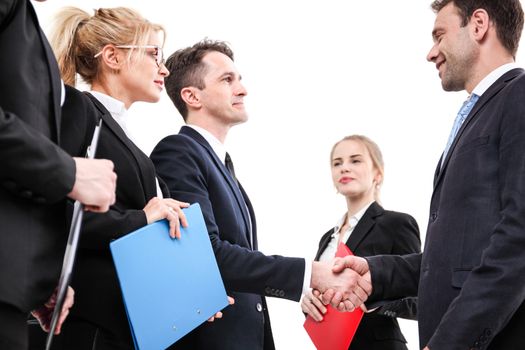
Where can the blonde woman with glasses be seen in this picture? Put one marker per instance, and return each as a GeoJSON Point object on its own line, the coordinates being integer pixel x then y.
{"type": "Point", "coordinates": [119, 55]}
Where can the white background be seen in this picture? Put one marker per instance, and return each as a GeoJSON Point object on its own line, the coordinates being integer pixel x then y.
{"type": "Point", "coordinates": [315, 71]}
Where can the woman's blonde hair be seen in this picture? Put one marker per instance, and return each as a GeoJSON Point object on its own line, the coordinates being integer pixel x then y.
{"type": "Point", "coordinates": [375, 155]}
{"type": "Point", "coordinates": [77, 37]}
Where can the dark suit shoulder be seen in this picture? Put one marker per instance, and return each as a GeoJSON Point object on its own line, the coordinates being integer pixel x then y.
{"type": "Point", "coordinates": [394, 217]}
{"type": "Point", "coordinates": [179, 149]}
{"type": "Point", "coordinates": [7, 8]}
{"type": "Point", "coordinates": [402, 229]}
{"type": "Point", "coordinates": [79, 117]}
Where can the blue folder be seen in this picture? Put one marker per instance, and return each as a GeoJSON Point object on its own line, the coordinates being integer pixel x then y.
{"type": "Point", "coordinates": [169, 286]}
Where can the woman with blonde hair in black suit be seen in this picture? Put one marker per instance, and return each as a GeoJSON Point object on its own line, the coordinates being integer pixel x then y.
{"type": "Point", "coordinates": [367, 229]}
{"type": "Point", "coordinates": [118, 53]}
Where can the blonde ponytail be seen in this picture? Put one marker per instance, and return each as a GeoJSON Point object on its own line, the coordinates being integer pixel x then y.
{"type": "Point", "coordinates": [63, 40]}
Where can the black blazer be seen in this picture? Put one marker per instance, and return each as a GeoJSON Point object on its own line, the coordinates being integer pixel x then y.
{"type": "Point", "coordinates": [472, 272]}
{"type": "Point", "coordinates": [36, 174]}
{"type": "Point", "coordinates": [98, 297]}
{"type": "Point", "coordinates": [193, 173]}
{"type": "Point", "coordinates": [381, 231]}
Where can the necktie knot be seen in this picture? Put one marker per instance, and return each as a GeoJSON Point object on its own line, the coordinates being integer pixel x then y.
{"type": "Point", "coordinates": [460, 118]}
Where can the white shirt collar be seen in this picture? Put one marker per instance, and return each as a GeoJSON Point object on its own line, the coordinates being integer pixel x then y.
{"type": "Point", "coordinates": [486, 82]}
{"type": "Point", "coordinates": [214, 142]}
{"type": "Point", "coordinates": [115, 107]}
{"type": "Point", "coordinates": [353, 220]}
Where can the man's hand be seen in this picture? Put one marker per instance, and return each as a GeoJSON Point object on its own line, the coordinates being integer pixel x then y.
{"type": "Point", "coordinates": [45, 313]}
{"type": "Point", "coordinates": [95, 183]}
{"type": "Point", "coordinates": [364, 284]}
{"type": "Point", "coordinates": [342, 284]}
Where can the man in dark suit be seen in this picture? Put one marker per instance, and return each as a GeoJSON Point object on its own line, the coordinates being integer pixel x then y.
{"type": "Point", "coordinates": [36, 175]}
{"type": "Point", "coordinates": [471, 276]}
{"type": "Point", "coordinates": [206, 89]}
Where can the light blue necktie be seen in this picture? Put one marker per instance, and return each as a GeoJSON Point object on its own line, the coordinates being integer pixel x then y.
{"type": "Point", "coordinates": [460, 118]}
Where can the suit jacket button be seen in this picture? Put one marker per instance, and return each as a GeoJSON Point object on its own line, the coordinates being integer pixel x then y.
{"type": "Point", "coordinates": [281, 293]}
{"type": "Point", "coordinates": [433, 216]}
{"type": "Point", "coordinates": [268, 290]}
{"type": "Point", "coordinates": [259, 307]}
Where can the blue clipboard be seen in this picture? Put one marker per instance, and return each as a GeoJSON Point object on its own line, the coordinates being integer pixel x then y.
{"type": "Point", "coordinates": [169, 286]}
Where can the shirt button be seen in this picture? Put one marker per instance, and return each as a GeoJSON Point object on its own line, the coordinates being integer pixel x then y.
{"type": "Point", "coordinates": [259, 307]}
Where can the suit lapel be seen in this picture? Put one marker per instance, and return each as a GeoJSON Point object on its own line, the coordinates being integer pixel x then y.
{"type": "Point", "coordinates": [327, 237]}
{"type": "Point", "coordinates": [493, 90]}
{"type": "Point", "coordinates": [364, 226]}
{"type": "Point", "coordinates": [251, 217]}
{"type": "Point", "coordinates": [242, 201]}
{"type": "Point", "coordinates": [146, 172]}
{"type": "Point", "coordinates": [54, 75]}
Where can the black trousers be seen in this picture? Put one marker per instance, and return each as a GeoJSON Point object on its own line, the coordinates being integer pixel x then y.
{"type": "Point", "coordinates": [77, 335]}
{"type": "Point", "coordinates": [13, 328]}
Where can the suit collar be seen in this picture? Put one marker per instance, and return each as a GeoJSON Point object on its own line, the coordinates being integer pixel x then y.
{"type": "Point", "coordinates": [54, 74]}
{"type": "Point", "coordinates": [215, 144]}
{"type": "Point", "coordinates": [144, 168]}
{"type": "Point", "coordinates": [242, 199]}
{"type": "Point", "coordinates": [483, 100]}
{"type": "Point", "coordinates": [364, 225]}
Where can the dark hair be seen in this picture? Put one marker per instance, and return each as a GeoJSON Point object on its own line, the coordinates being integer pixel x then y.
{"type": "Point", "coordinates": [186, 69]}
{"type": "Point", "coordinates": [507, 15]}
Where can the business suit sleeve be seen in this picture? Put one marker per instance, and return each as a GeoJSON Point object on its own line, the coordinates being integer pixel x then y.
{"type": "Point", "coordinates": [404, 231]}
{"type": "Point", "coordinates": [33, 167]}
{"type": "Point", "coordinates": [101, 229]}
{"type": "Point", "coordinates": [394, 276]}
{"type": "Point", "coordinates": [187, 173]}
{"type": "Point", "coordinates": [493, 290]}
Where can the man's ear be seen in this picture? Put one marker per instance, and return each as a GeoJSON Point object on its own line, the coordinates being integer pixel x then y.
{"type": "Point", "coordinates": [480, 22]}
{"type": "Point", "coordinates": [190, 95]}
{"type": "Point", "coordinates": [112, 57]}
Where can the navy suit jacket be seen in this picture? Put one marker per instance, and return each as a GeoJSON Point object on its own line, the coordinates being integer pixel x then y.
{"type": "Point", "coordinates": [381, 231]}
{"type": "Point", "coordinates": [471, 275]}
{"type": "Point", "coordinates": [194, 173]}
{"type": "Point", "coordinates": [36, 175]}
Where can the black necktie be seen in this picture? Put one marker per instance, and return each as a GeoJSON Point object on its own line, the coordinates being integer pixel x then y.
{"type": "Point", "coordinates": [229, 165]}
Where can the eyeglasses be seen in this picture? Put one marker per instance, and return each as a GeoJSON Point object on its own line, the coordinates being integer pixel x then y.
{"type": "Point", "coordinates": [158, 54]}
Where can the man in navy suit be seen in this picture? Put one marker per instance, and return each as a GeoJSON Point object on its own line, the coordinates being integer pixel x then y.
{"type": "Point", "coordinates": [36, 176]}
{"type": "Point", "coordinates": [470, 280]}
{"type": "Point", "coordinates": [206, 89]}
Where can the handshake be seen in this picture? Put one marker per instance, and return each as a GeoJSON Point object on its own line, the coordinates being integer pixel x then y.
{"type": "Point", "coordinates": [345, 283]}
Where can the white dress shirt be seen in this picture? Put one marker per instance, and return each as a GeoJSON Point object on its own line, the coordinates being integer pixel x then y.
{"type": "Point", "coordinates": [329, 253]}
{"type": "Point", "coordinates": [497, 73]}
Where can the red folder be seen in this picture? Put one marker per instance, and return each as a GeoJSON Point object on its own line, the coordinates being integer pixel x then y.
{"type": "Point", "coordinates": [336, 330]}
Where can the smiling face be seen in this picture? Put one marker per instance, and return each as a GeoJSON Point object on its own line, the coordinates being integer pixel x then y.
{"type": "Point", "coordinates": [454, 51]}
{"type": "Point", "coordinates": [141, 78]}
{"type": "Point", "coordinates": [353, 171]}
{"type": "Point", "coordinates": [223, 94]}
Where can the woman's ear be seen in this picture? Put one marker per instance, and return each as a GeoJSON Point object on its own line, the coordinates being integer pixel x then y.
{"type": "Point", "coordinates": [112, 57]}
